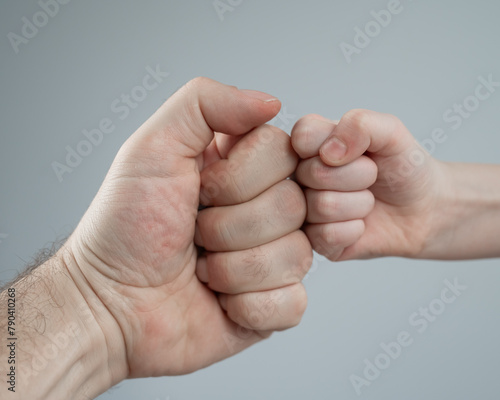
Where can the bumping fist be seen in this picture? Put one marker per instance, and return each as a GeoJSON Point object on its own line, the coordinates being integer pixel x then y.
{"type": "Point", "coordinates": [162, 308]}
{"type": "Point", "coordinates": [371, 189]}
{"type": "Point", "coordinates": [255, 255]}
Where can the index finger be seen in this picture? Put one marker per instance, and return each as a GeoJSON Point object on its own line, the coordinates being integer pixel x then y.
{"type": "Point", "coordinates": [361, 131]}
{"type": "Point", "coordinates": [259, 160]}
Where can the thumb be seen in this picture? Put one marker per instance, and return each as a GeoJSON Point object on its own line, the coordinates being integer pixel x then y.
{"type": "Point", "coordinates": [184, 125]}
{"type": "Point", "coordinates": [360, 131]}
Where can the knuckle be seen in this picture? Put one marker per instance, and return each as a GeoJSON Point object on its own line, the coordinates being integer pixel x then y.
{"type": "Point", "coordinates": [261, 137]}
{"type": "Point", "coordinates": [319, 171]}
{"type": "Point", "coordinates": [191, 88]}
{"type": "Point", "coordinates": [395, 122]}
{"type": "Point", "coordinates": [220, 273]}
{"type": "Point", "coordinates": [369, 199]}
{"type": "Point", "coordinates": [299, 304]}
{"type": "Point", "coordinates": [299, 256]}
{"type": "Point", "coordinates": [358, 119]}
{"type": "Point", "coordinates": [256, 265]}
{"type": "Point", "coordinates": [302, 133]}
{"type": "Point", "coordinates": [302, 173]}
{"type": "Point", "coordinates": [291, 200]}
{"type": "Point", "coordinates": [282, 146]}
{"type": "Point", "coordinates": [358, 228]}
{"type": "Point", "coordinates": [198, 81]}
{"type": "Point", "coordinates": [326, 204]}
{"type": "Point", "coordinates": [238, 191]}
{"type": "Point", "coordinates": [308, 117]}
{"type": "Point", "coordinates": [370, 170]}
{"type": "Point", "coordinates": [218, 233]}
{"type": "Point", "coordinates": [268, 304]}
{"type": "Point", "coordinates": [304, 255]}
{"type": "Point", "coordinates": [328, 235]}
{"type": "Point", "coordinates": [318, 243]}
{"type": "Point", "coordinates": [272, 133]}
{"type": "Point", "coordinates": [259, 310]}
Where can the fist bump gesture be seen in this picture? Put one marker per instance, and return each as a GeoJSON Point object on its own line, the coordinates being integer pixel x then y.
{"type": "Point", "coordinates": [365, 196]}
{"type": "Point", "coordinates": [195, 246]}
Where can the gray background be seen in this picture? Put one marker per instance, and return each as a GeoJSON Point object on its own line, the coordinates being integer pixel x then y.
{"type": "Point", "coordinates": [429, 57]}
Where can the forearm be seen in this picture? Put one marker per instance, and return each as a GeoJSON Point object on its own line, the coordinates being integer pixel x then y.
{"type": "Point", "coordinates": [52, 345]}
{"type": "Point", "coordinates": [467, 217]}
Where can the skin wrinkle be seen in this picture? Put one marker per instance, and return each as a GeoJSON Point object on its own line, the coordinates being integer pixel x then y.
{"type": "Point", "coordinates": [256, 265]}
{"type": "Point", "coordinates": [96, 294]}
{"type": "Point", "coordinates": [255, 227]}
{"type": "Point", "coordinates": [133, 309]}
{"type": "Point", "coordinates": [269, 306]}
{"type": "Point", "coordinates": [174, 205]}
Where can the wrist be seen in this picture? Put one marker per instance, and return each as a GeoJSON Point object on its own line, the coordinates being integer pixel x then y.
{"type": "Point", "coordinates": [61, 348]}
{"type": "Point", "coordinates": [440, 212]}
{"type": "Point", "coordinates": [466, 216]}
{"type": "Point", "coordinates": [108, 344]}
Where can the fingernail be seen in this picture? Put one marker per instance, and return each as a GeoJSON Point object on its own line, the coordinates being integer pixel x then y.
{"type": "Point", "coordinates": [266, 98]}
{"type": "Point", "coordinates": [333, 150]}
{"type": "Point", "coordinates": [201, 269]}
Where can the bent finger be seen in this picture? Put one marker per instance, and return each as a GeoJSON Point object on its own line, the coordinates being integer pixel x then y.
{"type": "Point", "coordinates": [272, 265]}
{"type": "Point", "coordinates": [359, 131]}
{"type": "Point", "coordinates": [277, 212]}
{"type": "Point", "coordinates": [309, 133]}
{"type": "Point", "coordinates": [260, 159]}
{"type": "Point", "coordinates": [330, 239]}
{"type": "Point", "coordinates": [276, 309]}
{"type": "Point", "coordinates": [324, 206]}
{"type": "Point", "coordinates": [357, 175]}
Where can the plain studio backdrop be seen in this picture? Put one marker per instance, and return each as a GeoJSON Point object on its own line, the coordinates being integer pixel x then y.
{"type": "Point", "coordinates": [64, 70]}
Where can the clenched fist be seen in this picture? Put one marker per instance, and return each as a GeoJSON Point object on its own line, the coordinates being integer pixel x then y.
{"type": "Point", "coordinates": [372, 191]}
{"type": "Point", "coordinates": [150, 285]}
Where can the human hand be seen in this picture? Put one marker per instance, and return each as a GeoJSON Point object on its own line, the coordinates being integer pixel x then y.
{"type": "Point", "coordinates": [371, 189]}
{"type": "Point", "coordinates": [256, 255]}
{"type": "Point", "coordinates": [133, 254]}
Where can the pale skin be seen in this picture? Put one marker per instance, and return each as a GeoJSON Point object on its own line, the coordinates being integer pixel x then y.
{"type": "Point", "coordinates": [129, 294]}
{"type": "Point", "coordinates": [372, 191]}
